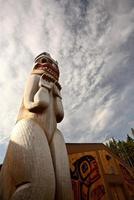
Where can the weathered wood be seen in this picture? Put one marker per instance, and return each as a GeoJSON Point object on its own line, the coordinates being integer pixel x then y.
{"type": "Point", "coordinates": [36, 163]}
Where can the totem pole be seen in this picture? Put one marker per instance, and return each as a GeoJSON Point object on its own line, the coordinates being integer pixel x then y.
{"type": "Point", "coordinates": [36, 163]}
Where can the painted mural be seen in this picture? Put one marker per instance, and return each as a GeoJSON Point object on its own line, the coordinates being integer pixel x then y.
{"type": "Point", "coordinates": [108, 162]}
{"type": "Point", "coordinates": [128, 178]}
{"type": "Point", "coordinates": [87, 182]}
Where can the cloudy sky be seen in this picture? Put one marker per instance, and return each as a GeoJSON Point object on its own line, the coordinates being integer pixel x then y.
{"type": "Point", "coordinates": [93, 41]}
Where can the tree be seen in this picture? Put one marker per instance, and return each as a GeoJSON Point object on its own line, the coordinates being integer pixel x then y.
{"type": "Point", "coordinates": [123, 149]}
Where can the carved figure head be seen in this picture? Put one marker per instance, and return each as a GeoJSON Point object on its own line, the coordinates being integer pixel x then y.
{"type": "Point", "coordinates": [45, 64]}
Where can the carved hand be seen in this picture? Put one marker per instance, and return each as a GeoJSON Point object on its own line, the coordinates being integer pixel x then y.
{"type": "Point", "coordinates": [56, 91]}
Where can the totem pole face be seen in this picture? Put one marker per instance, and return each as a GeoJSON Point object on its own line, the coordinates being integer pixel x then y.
{"type": "Point", "coordinates": [48, 65]}
{"type": "Point", "coordinates": [45, 65]}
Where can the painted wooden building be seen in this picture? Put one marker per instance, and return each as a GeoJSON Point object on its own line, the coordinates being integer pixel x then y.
{"type": "Point", "coordinates": [97, 174]}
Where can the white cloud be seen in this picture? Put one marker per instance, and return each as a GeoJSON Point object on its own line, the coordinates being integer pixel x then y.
{"type": "Point", "coordinates": [93, 43]}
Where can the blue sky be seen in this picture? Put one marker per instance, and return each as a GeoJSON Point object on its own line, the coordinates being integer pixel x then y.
{"type": "Point", "coordinates": [93, 42]}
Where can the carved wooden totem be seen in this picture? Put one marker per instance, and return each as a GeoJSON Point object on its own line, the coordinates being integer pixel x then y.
{"type": "Point", "coordinates": [36, 163]}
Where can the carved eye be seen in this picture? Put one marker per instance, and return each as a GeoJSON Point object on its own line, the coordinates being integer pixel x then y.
{"type": "Point", "coordinates": [49, 61]}
{"type": "Point", "coordinates": [44, 60]}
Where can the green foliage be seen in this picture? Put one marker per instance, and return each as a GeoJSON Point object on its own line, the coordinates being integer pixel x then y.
{"type": "Point", "coordinates": [123, 149]}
